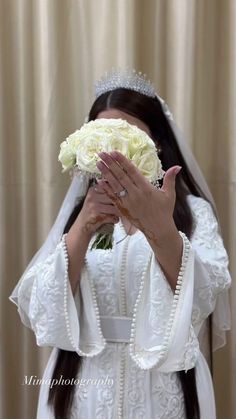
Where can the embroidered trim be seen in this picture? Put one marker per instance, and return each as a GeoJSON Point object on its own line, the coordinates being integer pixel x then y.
{"type": "Point", "coordinates": [66, 281]}
{"type": "Point", "coordinates": [122, 379]}
{"type": "Point", "coordinates": [95, 304]}
{"type": "Point", "coordinates": [135, 309]}
{"type": "Point", "coordinates": [123, 279]}
{"type": "Point", "coordinates": [123, 311]}
{"type": "Point", "coordinates": [166, 340]}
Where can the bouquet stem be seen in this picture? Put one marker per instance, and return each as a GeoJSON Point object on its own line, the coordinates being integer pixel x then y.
{"type": "Point", "coordinates": [104, 237]}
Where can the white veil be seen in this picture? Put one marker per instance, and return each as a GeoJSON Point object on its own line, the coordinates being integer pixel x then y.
{"type": "Point", "coordinates": [78, 189]}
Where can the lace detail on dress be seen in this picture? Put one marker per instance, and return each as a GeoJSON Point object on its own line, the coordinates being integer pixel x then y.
{"type": "Point", "coordinates": [211, 260]}
{"type": "Point", "coordinates": [46, 297]}
{"type": "Point", "coordinates": [148, 394]}
{"type": "Point", "coordinates": [163, 315]}
{"type": "Point", "coordinates": [191, 352]}
{"type": "Point", "coordinates": [168, 396]}
{"type": "Point", "coordinates": [136, 393]}
{"type": "Point", "coordinates": [46, 315]}
{"type": "Point", "coordinates": [148, 389]}
{"type": "Point", "coordinates": [102, 266]}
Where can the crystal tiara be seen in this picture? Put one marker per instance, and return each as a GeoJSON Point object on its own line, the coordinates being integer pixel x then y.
{"type": "Point", "coordinates": [127, 79]}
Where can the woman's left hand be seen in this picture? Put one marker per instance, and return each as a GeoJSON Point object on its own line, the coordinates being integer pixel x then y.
{"type": "Point", "coordinates": [147, 208]}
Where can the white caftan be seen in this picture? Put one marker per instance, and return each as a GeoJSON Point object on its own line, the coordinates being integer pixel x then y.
{"type": "Point", "coordinates": [138, 375]}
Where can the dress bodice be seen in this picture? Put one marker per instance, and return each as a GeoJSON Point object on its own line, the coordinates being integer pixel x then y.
{"type": "Point", "coordinates": [116, 273]}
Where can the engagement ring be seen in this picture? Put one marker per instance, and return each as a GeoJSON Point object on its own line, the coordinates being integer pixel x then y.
{"type": "Point", "coordinates": [121, 193]}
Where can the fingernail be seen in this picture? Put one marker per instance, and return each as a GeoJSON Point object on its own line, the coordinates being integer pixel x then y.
{"type": "Point", "coordinates": [177, 169]}
{"type": "Point", "coordinates": [99, 165]}
{"type": "Point", "coordinates": [114, 154]}
{"type": "Point", "coordinates": [102, 154]}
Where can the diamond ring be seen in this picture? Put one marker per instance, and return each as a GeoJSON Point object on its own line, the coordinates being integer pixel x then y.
{"type": "Point", "coordinates": [121, 193]}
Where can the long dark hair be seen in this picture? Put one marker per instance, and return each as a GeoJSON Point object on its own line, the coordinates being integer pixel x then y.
{"type": "Point", "coordinates": [149, 111]}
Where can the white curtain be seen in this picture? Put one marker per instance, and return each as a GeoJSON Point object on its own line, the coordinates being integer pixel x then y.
{"type": "Point", "coordinates": [51, 53]}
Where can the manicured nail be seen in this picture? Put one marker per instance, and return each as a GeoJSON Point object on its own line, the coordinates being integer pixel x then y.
{"type": "Point", "coordinates": [99, 164]}
{"type": "Point", "coordinates": [177, 169]}
{"type": "Point", "coordinates": [101, 154]}
{"type": "Point", "coordinates": [114, 153]}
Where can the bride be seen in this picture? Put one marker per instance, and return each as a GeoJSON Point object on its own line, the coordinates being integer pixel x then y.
{"type": "Point", "coordinates": [137, 312]}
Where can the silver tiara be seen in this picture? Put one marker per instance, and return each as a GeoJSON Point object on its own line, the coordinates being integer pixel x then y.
{"type": "Point", "coordinates": [127, 79]}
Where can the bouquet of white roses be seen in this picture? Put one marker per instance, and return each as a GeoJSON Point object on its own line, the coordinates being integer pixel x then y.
{"type": "Point", "coordinates": [79, 152]}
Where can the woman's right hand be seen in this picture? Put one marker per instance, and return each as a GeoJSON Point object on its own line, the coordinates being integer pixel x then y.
{"type": "Point", "coordinates": [98, 209]}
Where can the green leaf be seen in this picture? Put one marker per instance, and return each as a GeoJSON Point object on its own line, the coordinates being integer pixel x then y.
{"type": "Point", "coordinates": [102, 241]}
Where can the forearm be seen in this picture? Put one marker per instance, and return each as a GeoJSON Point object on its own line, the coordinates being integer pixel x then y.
{"type": "Point", "coordinates": [168, 247]}
{"type": "Point", "coordinates": [77, 241]}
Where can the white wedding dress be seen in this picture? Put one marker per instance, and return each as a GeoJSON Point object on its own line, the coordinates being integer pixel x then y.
{"type": "Point", "coordinates": [137, 374]}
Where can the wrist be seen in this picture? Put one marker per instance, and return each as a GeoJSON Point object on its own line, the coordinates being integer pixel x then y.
{"type": "Point", "coordinates": [168, 233]}
{"type": "Point", "coordinates": [163, 235]}
{"type": "Point", "coordinates": [80, 230]}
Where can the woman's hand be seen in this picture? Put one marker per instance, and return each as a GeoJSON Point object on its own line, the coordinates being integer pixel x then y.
{"type": "Point", "coordinates": [98, 209]}
{"type": "Point", "coordinates": [148, 208]}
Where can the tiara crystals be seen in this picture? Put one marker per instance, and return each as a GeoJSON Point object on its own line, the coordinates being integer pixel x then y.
{"type": "Point", "coordinates": [165, 108]}
{"type": "Point", "coordinates": [127, 79]}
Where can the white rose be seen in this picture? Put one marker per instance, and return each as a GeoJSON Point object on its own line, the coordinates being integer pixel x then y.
{"type": "Point", "coordinates": [82, 147]}
{"type": "Point", "coordinates": [147, 161]}
{"type": "Point", "coordinates": [110, 124]}
{"type": "Point", "coordinates": [138, 141]}
{"type": "Point", "coordinates": [67, 156]}
{"type": "Point", "coordinates": [118, 142]}
{"type": "Point", "coordinates": [74, 140]}
{"type": "Point", "coordinates": [86, 155]}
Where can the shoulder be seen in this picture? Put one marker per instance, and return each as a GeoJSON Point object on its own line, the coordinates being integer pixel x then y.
{"type": "Point", "coordinates": [199, 205]}
{"type": "Point", "coordinates": [203, 214]}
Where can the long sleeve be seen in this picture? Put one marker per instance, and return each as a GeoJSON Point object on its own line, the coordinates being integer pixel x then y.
{"type": "Point", "coordinates": [211, 276]}
{"type": "Point", "coordinates": [166, 325]}
{"type": "Point", "coordinates": [59, 319]}
{"type": "Point", "coordinates": [162, 334]}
